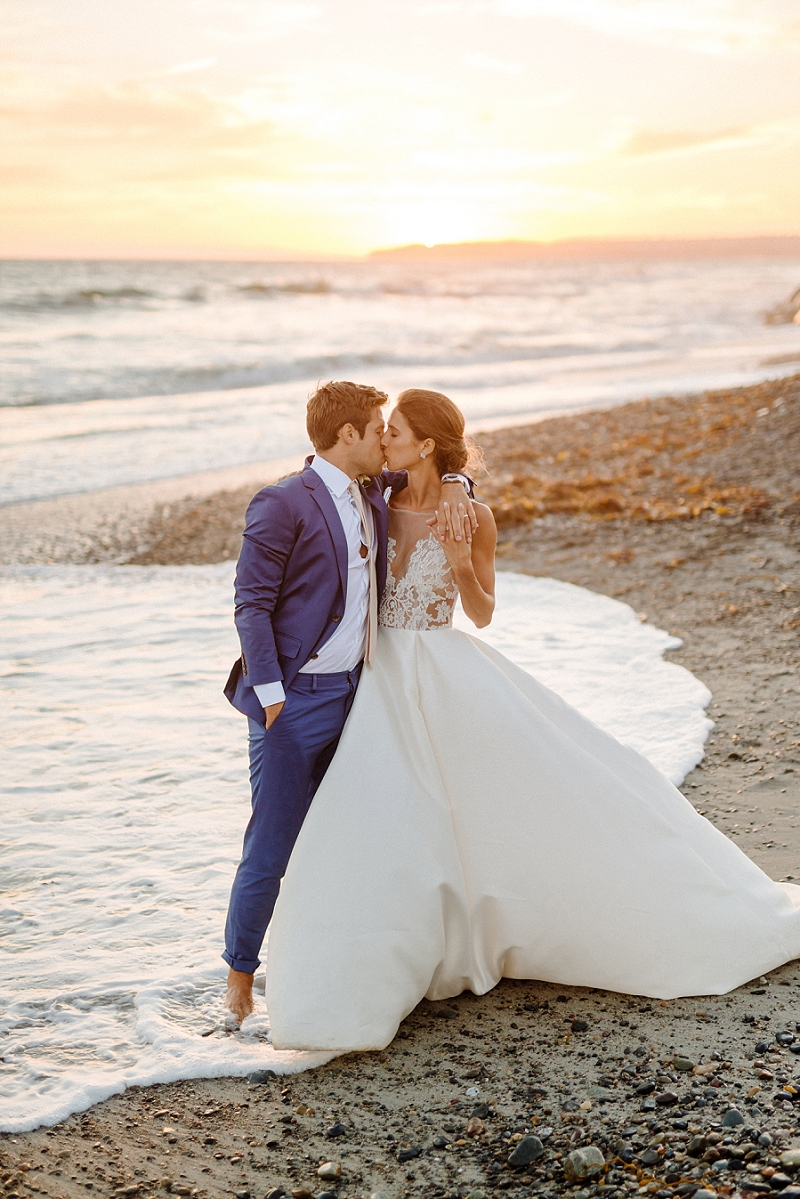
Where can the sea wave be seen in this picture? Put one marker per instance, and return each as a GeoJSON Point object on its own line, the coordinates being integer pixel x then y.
{"type": "Point", "coordinates": [518, 357]}
{"type": "Point", "coordinates": [89, 297]}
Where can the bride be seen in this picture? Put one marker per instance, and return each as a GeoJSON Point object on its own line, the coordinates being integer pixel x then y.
{"type": "Point", "coordinates": [473, 826]}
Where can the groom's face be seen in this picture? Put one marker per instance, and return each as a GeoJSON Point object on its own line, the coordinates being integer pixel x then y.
{"type": "Point", "coordinates": [368, 451]}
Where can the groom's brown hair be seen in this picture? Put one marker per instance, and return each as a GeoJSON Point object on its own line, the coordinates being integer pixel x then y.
{"type": "Point", "coordinates": [340, 403]}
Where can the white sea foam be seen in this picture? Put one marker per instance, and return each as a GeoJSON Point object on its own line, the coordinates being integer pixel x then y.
{"type": "Point", "coordinates": [124, 796]}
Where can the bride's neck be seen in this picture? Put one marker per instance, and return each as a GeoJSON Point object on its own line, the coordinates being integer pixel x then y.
{"type": "Point", "coordinates": [424, 485]}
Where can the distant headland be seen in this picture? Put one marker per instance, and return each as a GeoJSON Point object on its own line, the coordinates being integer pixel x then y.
{"type": "Point", "coordinates": [599, 248]}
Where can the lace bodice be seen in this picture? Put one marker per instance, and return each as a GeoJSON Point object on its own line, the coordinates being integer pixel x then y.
{"type": "Point", "coordinates": [420, 591]}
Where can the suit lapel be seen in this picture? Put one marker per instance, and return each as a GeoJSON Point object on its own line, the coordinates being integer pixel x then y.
{"type": "Point", "coordinates": [324, 501]}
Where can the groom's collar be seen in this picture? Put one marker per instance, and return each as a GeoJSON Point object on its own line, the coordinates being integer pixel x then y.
{"type": "Point", "coordinates": [334, 479]}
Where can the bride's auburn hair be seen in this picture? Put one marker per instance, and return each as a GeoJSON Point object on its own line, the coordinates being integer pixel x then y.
{"type": "Point", "coordinates": [432, 414]}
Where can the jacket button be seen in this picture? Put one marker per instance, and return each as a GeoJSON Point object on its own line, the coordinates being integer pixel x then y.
{"type": "Point", "coordinates": [336, 616]}
{"type": "Point", "coordinates": [313, 657]}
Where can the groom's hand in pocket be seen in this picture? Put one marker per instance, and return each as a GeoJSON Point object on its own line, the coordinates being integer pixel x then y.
{"type": "Point", "coordinates": [273, 712]}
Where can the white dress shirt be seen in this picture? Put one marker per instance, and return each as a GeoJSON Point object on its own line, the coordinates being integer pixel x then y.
{"type": "Point", "coordinates": [345, 648]}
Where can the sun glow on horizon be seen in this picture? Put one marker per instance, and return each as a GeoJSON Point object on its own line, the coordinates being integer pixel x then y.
{"type": "Point", "coordinates": [277, 127]}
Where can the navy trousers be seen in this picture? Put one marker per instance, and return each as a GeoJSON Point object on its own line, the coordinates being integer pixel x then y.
{"type": "Point", "coordinates": [287, 765]}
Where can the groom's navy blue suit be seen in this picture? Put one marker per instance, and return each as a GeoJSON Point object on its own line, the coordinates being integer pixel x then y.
{"type": "Point", "coordinates": [291, 586]}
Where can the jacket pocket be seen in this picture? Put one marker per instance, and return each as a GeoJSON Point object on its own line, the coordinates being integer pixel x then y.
{"type": "Point", "coordinates": [287, 645]}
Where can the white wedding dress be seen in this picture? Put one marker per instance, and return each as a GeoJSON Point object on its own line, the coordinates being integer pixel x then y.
{"type": "Point", "coordinates": [474, 826]}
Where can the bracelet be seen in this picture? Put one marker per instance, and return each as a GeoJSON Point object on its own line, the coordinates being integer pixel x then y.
{"type": "Point", "coordinates": [455, 478]}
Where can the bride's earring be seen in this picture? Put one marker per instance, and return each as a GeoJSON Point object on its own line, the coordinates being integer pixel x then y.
{"type": "Point", "coordinates": [422, 455]}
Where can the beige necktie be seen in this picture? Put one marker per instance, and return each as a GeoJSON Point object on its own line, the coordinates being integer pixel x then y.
{"type": "Point", "coordinates": [366, 536]}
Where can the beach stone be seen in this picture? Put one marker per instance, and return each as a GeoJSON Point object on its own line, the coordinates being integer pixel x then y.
{"type": "Point", "coordinates": [379, 1195]}
{"type": "Point", "coordinates": [301, 1193]}
{"type": "Point", "coordinates": [762, 1047]}
{"type": "Point", "coordinates": [650, 1157]}
{"type": "Point", "coordinates": [528, 1150]}
{"type": "Point", "coordinates": [582, 1163]}
{"type": "Point", "coordinates": [579, 1025]}
{"type": "Point", "coordinates": [259, 1077]}
{"type": "Point", "coordinates": [645, 1088]}
{"type": "Point", "coordinates": [475, 1126]}
{"type": "Point", "coordinates": [336, 1130]}
{"type": "Point", "coordinates": [327, 1195]}
{"type": "Point", "coordinates": [696, 1146]}
{"type": "Point", "coordinates": [440, 1142]}
{"type": "Point", "coordinates": [666, 1099]}
{"type": "Point", "coordinates": [732, 1118]}
{"type": "Point", "coordinates": [600, 1093]}
{"type": "Point", "coordinates": [476, 1195]}
{"type": "Point", "coordinates": [704, 1193]}
{"type": "Point", "coordinates": [648, 1105]}
{"type": "Point", "coordinates": [330, 1170]}
{"type": "Point", "coordinates": [791, 1157]}
{"type": "Point", "coordinates": [240, 1194]}
{"type": "Point", "coordinates": [682, 1064]}
{"type": "Point", "coordinates": [481, 1111]}
{"type": "Point", "coordinates": [275, 1193]}
{"type": "Point", "coordinates": [446, 1013]}
{"type": "Point", "coordinates": [406, 1155]}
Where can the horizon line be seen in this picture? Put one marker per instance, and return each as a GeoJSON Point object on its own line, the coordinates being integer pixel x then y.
{"type": "Point", "coordinates": [506, 248]}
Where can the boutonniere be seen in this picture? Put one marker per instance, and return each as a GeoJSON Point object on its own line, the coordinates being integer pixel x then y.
{"type": "Point", "coordinates": [365, 480]}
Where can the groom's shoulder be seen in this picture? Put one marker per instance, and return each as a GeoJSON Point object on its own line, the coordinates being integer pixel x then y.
{"type": "Point", "coordinates": [287, 495]}
{"type": "Point", "coordinates": [287, 488]}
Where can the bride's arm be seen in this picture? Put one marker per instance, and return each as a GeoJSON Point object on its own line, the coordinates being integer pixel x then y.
{"type": "Point", "coordinates": [472, 564]}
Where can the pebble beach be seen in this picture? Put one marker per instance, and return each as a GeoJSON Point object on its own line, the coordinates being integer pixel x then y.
{"type": "Point", "coordinates": [688, 508]}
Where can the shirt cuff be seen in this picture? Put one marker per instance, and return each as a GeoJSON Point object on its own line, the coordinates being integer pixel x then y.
{"type": "Point", "coordinates": [270, 693]}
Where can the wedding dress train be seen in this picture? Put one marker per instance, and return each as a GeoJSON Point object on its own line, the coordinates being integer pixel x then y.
{"type": "Point", "coordinates": [474, 826]}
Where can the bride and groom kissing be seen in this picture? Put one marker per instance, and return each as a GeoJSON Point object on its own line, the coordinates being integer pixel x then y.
{"type": "Point", "coordinates": [467, 824]}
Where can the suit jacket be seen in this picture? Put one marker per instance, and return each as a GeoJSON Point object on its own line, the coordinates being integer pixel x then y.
{"type": "Point", "coordinates": [291, 578]}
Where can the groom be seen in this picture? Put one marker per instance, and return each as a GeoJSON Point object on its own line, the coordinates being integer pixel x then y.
{"type": "Point", "coordinates": [308, 585]}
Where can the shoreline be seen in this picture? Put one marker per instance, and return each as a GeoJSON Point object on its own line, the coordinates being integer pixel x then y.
{"type": "Point", "coordinates": [600, 511]}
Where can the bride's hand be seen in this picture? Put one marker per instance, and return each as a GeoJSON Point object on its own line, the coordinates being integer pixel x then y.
{"type": "Point", "coordinates": [456, 514]}
{"type": "Point", "coordinates": [457, 549]}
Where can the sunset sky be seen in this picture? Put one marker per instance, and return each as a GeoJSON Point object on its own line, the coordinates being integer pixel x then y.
{"type": "Point", "coordinates": [242, 128]}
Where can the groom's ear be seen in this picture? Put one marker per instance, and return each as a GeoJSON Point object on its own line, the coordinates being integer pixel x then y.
{"type": "Point", "coordinates": [348, 434]}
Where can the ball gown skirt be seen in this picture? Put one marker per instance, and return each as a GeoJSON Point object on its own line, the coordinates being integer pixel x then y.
{"type": "Point", "coordinates": [473, 826]}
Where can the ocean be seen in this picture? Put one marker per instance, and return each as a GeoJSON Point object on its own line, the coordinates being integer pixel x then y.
{"type": "Point", "coordinates": [125, 372]}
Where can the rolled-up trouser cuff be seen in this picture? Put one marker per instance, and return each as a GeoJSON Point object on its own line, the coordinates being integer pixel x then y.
{"type": "Point", "coordinates": [241, 965]}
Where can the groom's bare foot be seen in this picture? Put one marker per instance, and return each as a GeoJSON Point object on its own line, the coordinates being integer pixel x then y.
{"type": "Point", "coordinates": [239, 996]}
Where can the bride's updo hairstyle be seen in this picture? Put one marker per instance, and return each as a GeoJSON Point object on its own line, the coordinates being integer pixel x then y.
{"type": "Point", "coordinates": [431, 414]}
